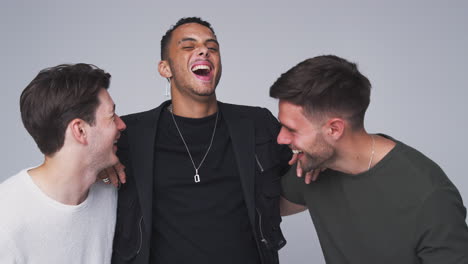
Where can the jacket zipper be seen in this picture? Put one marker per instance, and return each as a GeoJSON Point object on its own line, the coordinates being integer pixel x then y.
{"type": "Point", "coordinates": [259, 164]}
{"type": "Point", "coordinates": [141, 236]}
{"type": "Point", "coordinates": [263, 239]}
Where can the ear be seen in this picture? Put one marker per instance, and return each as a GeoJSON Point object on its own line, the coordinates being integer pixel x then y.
{"type": "Point", "coordinates": [78, 130]}
{"type": "Point", "coordinates": [334, 128]}
{"type": "Point", "coordinates": [164, 69]}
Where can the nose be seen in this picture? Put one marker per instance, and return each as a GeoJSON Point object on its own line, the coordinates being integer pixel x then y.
{"type": "Point", "coordinates": [120, 123]}
{"type": "Point", "coordinates": [203, 51]}
{"type": "Point", "coordinates": [284, 137]}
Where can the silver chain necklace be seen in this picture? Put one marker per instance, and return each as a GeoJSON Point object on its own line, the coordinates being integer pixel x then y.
{"type": "Point", "coordinates": [197, 176]}
{"type": "Point", "coordinates": [373, 151]}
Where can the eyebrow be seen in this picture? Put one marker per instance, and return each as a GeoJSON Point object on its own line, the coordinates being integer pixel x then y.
{"type": "Point", "coordinates": [288, 128]}
{"type": "Point", "coordinates": [192, 39]}
{"type": "Point", "coordinates": [212, 40]}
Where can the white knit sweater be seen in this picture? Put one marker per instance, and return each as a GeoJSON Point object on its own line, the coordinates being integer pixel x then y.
{"type": "Point", "coordinates": [37, 229]}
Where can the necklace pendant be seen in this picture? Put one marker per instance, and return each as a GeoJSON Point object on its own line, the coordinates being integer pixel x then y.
{"type": "Point", "coordinates": [196, 178]}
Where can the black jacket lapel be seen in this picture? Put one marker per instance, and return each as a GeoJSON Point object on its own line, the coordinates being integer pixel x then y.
{"type": "Point", "coordinates": [242, 134]}
{"type": "Point", "coordinates": [142, 144]}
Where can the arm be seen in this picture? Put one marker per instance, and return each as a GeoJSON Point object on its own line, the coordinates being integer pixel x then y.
{"type": "Point", "coordinates": [292, 199]}
{"type": "Point", "coordinates": [442, 233]}
{"type": "Point", "coordinates": [7, 254]}
{"type": "Point", "coordinates": [289, 208]}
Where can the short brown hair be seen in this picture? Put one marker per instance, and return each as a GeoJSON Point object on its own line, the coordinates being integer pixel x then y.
{"type": "Point", "coordinates": [326, 84]}
{"type": "Point", "coordinates": [56, 96]}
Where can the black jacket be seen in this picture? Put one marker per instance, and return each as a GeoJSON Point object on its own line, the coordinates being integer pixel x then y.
{"type": "Point", "coordinates": [261, 162]}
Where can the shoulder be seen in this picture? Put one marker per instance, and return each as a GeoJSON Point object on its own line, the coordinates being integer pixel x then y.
{"type": "Point", "coordinates": [11, 188]}
{"type": "Point", "coordinates": [245, 110]}
{"type": "Point", "coordinates": [421, 176]}
{"type": "Point", "coordinates": [264, 121]}
{"type": "Point", "coordinates": [424, 169]}
{"type": "Point", "coordinates": [105, 193]}
{"type": "Point", "coordinates": [135, 117]}
{"type": "Point", "coordinates": [14, 203]}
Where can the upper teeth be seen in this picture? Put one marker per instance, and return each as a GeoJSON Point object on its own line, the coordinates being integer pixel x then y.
{"type": "Point", "coordinates": [201, 67]}
{"type": "Point", "coordinates": [295, 151]}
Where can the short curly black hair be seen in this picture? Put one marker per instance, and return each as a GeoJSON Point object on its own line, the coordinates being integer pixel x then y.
{"type": "Point", "coordinates": [167, 37]}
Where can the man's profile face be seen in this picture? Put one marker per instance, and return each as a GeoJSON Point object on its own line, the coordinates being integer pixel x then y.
{"type": "Point", "coordinates": [305, 135]}
{"type": "Point", "coordinates": [194, 59]}
{"type": "Point", "coordinates": [105, 132]}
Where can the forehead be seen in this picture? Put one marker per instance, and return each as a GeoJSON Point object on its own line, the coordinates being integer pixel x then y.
{"type": "Point", "coordinates": [289, 111]}
{"type": "Point", "coordinates": [292, 115]}
{"type": "Point", "coordinates": [105, 101]}
{"type": "Point", "coordinates": [193, 30]}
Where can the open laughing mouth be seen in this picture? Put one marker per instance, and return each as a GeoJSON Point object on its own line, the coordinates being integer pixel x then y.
{"type": "Point", "coordinates": [202, 71]}
{"type": "Point", "coordinates": [297, 152]}
{"type": "Point", "coordinates": [114, 147]}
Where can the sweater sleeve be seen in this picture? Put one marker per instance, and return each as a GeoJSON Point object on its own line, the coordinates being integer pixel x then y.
{"type": "Point", "coordinates": [7, 252]}
{"type": "Point", "coordinates": [442, 233]}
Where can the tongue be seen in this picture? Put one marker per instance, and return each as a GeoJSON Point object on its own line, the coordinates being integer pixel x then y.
{"type": "Point", "coordinates": [202, 72]}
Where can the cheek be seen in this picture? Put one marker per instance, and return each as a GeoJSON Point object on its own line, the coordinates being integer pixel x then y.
{"type": "Point", "coordinates": [306, 142]}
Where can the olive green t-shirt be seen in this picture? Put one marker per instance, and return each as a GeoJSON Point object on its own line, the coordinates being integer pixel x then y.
{"type": "Point", "coordinates": [403, 210]}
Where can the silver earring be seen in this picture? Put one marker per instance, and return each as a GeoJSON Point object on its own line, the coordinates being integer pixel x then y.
{"type": "Point", "coordinates": [167, 94]}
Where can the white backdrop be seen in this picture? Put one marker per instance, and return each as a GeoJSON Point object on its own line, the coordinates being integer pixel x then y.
{"type": "Point", "coordinates": [413, 52]}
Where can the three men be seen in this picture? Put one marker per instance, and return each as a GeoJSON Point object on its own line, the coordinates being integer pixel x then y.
{"type": "Point", "coordinates": [379, 201]}
{"type": "Point", "coordinates": [203, 177]}
{"type": "Point", "coordinates": [54, 213]}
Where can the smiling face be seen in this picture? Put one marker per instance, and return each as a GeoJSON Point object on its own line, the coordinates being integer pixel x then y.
{"type": "Point", "coordinates": [304, 136]}
{"type": "Point", "coordinates": [105, 132]}
{"type": "Point", "coordinates": [194, 61]}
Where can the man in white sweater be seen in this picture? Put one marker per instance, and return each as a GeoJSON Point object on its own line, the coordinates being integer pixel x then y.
{"type": "Point", "coordinates": [56, 213]}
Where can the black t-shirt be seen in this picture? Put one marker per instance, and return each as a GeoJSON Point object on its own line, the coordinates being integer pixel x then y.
{"type": "Point", "coordinates": [204, 222]}
{"type": "Point", "coordinates": [403, 210]}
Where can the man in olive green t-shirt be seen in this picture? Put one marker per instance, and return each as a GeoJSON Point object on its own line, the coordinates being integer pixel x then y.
{"type": "Point", "coordinates": [379, 201]}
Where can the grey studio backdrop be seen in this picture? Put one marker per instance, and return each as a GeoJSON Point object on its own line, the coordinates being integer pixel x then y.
{"type": "Point", "coordinates": [414, 53]}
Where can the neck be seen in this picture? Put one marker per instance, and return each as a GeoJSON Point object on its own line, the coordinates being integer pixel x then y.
{"type": "Point", "coordinates": [193, 106]}
{"type": "Point", "coordinates": [63, 180]}
{"type": "Point", "coordinates": [355, 153]}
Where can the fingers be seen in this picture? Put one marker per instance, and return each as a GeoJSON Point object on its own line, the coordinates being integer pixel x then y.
{"type": "Point", "coordinates": [101, 176]}
{"type": "Point", "coordinates": [312, 175]}
{"type": "Point", "coordinates": [299, 169]}
{"type": "Point", "coordinates": [308, 177]}
{"type": "Point", "coordinates": [293, 159]}
{"type": "Point", "coordinates": [120, 171]}
{"type": "Point", "coordinates": [114, 179]}
{"type": "Point", "coordinates": [111, 175]}
{"type": "Point", "coordinates": [315, 174]}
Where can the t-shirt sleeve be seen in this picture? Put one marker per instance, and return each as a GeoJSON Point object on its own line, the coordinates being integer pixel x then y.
{"type": "Point", "coordinates": [292, 187]}
{"type": "Point", "coordinates": [442, 232]}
